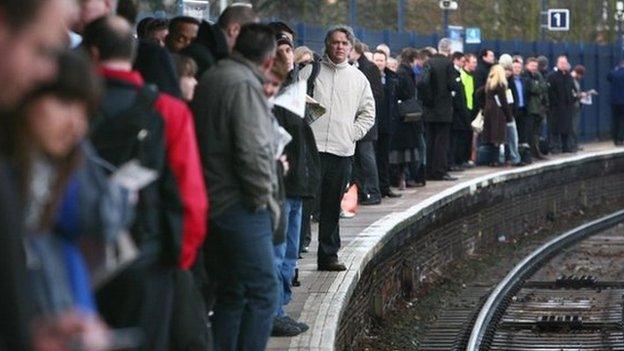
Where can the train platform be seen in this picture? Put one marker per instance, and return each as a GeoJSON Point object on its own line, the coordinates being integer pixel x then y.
{"type": "Point", "coordinates": [323, 296]}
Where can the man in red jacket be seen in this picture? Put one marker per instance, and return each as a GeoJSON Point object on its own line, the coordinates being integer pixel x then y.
{"type": "Point", "coordinates": [182, 153]}
{"type": "Point", "coordinates": [163, 297]}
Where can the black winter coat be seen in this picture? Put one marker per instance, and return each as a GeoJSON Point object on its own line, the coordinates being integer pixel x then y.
{"type": "Point", "coordinates": [441, 84]}
{"type": "Point", "coordinates": [209, 48]}
{"type": "Point", "coordinates": [407, 133]}
{"type": "Point", "coordinates": [562, 99]}
{"type": "Point", "coordinates": [156, 66]}
{"type": "Point", "coordinates": [16, 305]}
{"type": "Point", "coordinates": [481, 74]}
{"type": "Point", "coordinates": [462, 117]}
{"type": "Point", "coordinates": [303, 178]}
{"type": "Point", "coordinates": [387, 111]}
{"type": "Point", "coordinates": [374, 79]}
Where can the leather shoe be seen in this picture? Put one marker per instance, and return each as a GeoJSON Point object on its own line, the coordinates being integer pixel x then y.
{"type": "Point", "coordinates": [391, 194]}
{"type": "Point", "coordinates": [449, 178]}
{"type": "Point", "coordinates": [456, 169]}
{"type": "Point", "coordinates": [332, 267]}
{"type": "Point", "coordinates": [446, 177]}
{"type": "Point", "coordinates": [413, 184]}
{"type": "Point", "coordinates": [369, 201]}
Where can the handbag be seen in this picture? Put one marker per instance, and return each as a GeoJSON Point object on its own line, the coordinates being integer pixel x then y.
{"type": "Point", "coordinates": [477, 123]}
{"type": "Point", "coordinates": [410, 110]}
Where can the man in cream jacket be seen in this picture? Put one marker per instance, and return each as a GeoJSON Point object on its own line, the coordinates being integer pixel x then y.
{"type": "Point", "coordinates": [350, 113]}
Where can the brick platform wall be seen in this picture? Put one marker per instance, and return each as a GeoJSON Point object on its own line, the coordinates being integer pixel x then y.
{"type": "Point", "coordinates": [471, 220]}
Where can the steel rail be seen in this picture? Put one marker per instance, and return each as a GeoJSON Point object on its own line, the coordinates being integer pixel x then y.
{"type": "Point", "coordinates": [514, 279]}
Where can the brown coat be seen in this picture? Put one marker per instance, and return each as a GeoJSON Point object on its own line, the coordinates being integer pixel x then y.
{"type": "Point", "coordinates": [496, 115]}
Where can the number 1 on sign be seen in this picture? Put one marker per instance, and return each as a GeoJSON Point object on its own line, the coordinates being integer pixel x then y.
{"type": "Point", "coordinates": [557, 17]}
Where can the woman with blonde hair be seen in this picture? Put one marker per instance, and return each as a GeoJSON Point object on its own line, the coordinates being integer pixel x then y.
{"type": "Point", "coordinates": [496, 111]}
{"type": "Point", "coordinates": [303, 55]}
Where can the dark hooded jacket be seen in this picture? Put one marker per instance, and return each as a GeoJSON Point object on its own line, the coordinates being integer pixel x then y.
{"type": "Point", "coordinates": [303, 178]}
{"type": "Point", "coordinates": [374, 78]}
{"type": "Point", "coordinates": [15, 298]}
{"type": "Point", "coordinates": [209, 48]}
{"type": "Point", "coordinates": [388, 111]}
{"type": "Point", "coordinates": [441, 84]}
{"type": "Point", "coordinates": [407, 133]}
{"type": "Point", "coordinates": [462, 117]}
{"type": "Point", "coordinates": [156, 67]}
{"type": "Point", "coordinates": [561, 95]}
{"type": "Point", "coordinates": [481, 73]}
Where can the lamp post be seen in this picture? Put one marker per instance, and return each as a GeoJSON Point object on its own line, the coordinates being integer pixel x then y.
{"type": "Point", "coordinates": [400, 18]}
{"type": "Point", "coordinates": [543, 13]}
{"type": "Point", "coordinates": [446, 6]}
{"type": "Point", "coordinates": [619, 18]}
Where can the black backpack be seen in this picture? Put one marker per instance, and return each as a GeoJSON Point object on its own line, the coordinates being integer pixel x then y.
{"type": "Point", "coordinates": [128, 128]}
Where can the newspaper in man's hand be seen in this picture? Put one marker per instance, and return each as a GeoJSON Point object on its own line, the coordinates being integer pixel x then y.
{"type": "Point", "coordinates": [315, 109]}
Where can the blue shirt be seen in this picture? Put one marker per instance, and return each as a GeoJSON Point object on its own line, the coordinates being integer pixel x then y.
{"type": "Point", "coordinates": [520, 90]}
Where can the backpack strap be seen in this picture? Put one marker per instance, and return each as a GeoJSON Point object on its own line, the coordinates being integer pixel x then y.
{"type": "Point", "coordinates": [147, 96]}
{"type": "Point", "coordinates": [144, 101]}
{"type": "Point", "coordinates": [316, 69]}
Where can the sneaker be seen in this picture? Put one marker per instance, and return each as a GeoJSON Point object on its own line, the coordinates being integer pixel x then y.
{"type": "Point", "coordinates": [304, 327]}
{"type": "Point", "coordinates": [347, 214]}
{"type": "Point", "coordinates": [284, 327]}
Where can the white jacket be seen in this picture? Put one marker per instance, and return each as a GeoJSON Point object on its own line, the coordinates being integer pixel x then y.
{"type": "Point", "coordinates": [350, 107]}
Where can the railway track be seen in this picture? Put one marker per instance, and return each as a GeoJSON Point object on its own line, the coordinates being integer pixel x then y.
{"type": "Point", "coordinates": [566, 295]}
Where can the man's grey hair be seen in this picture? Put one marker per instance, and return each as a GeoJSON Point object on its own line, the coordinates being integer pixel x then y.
{"type": "Point", "coordinates": [340, 28]}
{"type": "Point", "coordinates": [444, 46]}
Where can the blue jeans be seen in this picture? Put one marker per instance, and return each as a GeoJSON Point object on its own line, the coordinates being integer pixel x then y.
{"type": "Point", "coordinates": [241, 259]}
{"type": "Point", "coordinates": [287, 253]}
{"type": "Point", "coordinates": [422, 148]}
{"type": "Point", "coordinates": [512, 142]}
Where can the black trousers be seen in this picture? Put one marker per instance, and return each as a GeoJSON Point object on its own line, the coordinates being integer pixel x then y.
{"type": "Point", "coordinates": [537, 124]}
{"type": "Point", "coordinates": [382, 149]}
{"type": "Point", "coordinates": [335, 173]}
{"type": "Point", "coordinates": [438, 142]}
{"type": "Point", "coordinates": [141, 296]}
{"type": "Point", "coordinates": [365, 170]}
{"type": "Point", "coordinates": [618, 123]}
{"type": "Point", "coordinates": [524, 123]}
{"type": "Point", "coordinates": [461, 146]}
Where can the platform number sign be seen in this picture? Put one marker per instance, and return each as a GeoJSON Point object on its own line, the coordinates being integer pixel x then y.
{"type": "Point", "coordinates": [559, 19]}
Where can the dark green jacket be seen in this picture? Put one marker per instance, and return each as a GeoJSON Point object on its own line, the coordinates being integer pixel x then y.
{"type": "Point", "coordinates": [537, 91]}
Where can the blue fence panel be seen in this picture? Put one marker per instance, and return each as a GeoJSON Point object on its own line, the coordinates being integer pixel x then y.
{"type": "Point", "coordinates": [372, 37]}
{"type": "Point", "coordinates": [506, 47]}
{"type": "Point", "coordinates": [314, 38]}
{"type": "Point", "coordinates": [398, 41]}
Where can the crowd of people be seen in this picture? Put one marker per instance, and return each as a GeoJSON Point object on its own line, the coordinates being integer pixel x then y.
{"type": "Point", "coordinates": [156, 195]}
